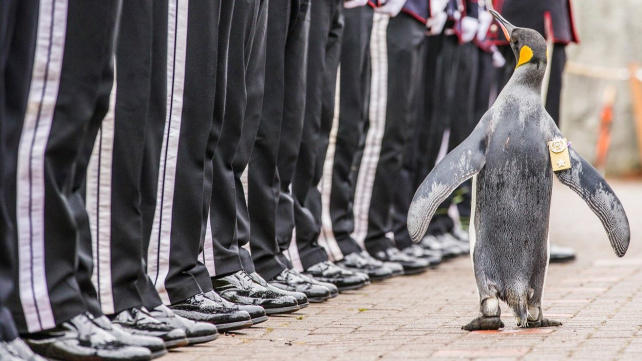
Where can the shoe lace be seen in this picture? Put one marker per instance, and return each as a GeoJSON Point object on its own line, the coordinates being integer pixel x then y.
{"type": "Point", "coordinates": [245, 280]}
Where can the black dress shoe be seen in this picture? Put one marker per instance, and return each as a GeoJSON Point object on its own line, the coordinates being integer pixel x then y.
{"type": "Point", "coordinates": [301, 298]}
{"type": "Point", "coordinates": [80, 339]}
{"type": "Point", "coordinates": [460, 242]}
{"type": "Point", "coordinates": [201, 309]}
{"type": "Point", "coordinates": [411, 265]}
{"type": "Point", "coordinates": [334, 290]}
{"type": "Point", "coordinates": [154, 344]}
{"type": "Point", "coordinates": [441, 245]}
{"type": "Point", "coordinates": [17, 350]}
{"type": "Point", "coordinates": [257, 313]}
{"type": "Point", "coordinates": [343, 279]}
{"type": "Point", "coordinates": [395, 268]}
{"type": "Point", "coordinates": [240, 289]}
{"type": "Point", "coordinates": [375, 270]}
{"type": "Point", "coordinates": [8, 354]}
{"type": "Point", "coordinates": [559, 254]}
{"type": "Point", "coordinates": [197, 332]}
{"type": "Point", "coordinates": [140, 322]}
{"type": "Point", "coordinates": [432, 257]}
{"type": "Point", "coordinates": [290, 281]}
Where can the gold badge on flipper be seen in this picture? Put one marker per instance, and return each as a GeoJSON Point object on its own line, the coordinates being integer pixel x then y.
{"type": "Point", "coordinates": [560, 159]}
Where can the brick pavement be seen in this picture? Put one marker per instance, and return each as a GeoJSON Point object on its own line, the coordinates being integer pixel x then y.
{"type": "Point", "coordinates": [598, 298]}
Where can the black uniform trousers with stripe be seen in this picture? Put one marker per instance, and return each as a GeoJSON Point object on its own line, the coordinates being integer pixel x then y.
{"type": "Point", "coordinates": [354, 92]}
{"type": "Point", "coordinates": [115, 230]}
{"type": "Point", "coordinates": [69, 70]}
{"type": "Point", "coordinates": [324, 54]}
{"type": "Point", "coordinates": [405, 43]}
{"type": "Point", "coordinates": [180, 123]}
{"type": "Point", "coordinates": [414, 168]}
{"type": "Point", "coordinates": [277, 143]}
{"type": "Point", "coordinates": [16, 25]}
{"type": "Point", "coordinates": [457, 69]}
{"type": "Point", "coordinates": [244, 64]}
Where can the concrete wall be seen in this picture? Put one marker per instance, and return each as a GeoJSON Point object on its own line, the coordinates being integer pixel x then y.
{"type": "Point", "coordinates": [610, 34]}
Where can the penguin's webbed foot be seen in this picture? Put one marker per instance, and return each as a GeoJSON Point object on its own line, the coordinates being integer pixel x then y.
{"type": "Point", "coordinates": [543, 322]}
{"type": "Point", "coordinates": [484, 323]}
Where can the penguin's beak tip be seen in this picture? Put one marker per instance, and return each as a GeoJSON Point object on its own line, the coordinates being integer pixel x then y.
{"type": "Point", "coordinates": [506, 26]}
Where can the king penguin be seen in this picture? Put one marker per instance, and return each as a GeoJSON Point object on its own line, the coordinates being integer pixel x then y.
{"type": "Point", "coordinates": [508, 157]}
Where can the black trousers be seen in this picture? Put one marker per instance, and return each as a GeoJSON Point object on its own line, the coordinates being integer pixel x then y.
{"type": "Point", "coordinates": [554, 93]}
{"type": "Point", "coordinates": [67, 73]}
{"type": "Point", "coordinates": [393, 92]}
{"type": "Point", "coordinates": [343, 152]}
{"type": "Point", "coordinates": [457, 72]}
{"type": "Point", "coordinates": [278, 139]}
{"type": "Point", "coordinates": [414, 170]}
{"type": "Point", "coordinates": [244, 63]}
{"type": "Point", "coordinates": [324, 53]}
{"type": "Point", "coordinates": [114, 173]}
{"type": "Point", "coordinates": [179, 126]}
{"type": "Point", "coordinates": [16, 24]}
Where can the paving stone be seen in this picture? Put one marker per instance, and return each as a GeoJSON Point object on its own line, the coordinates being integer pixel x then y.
{"type": "Point", "coordinates": [598, 299]}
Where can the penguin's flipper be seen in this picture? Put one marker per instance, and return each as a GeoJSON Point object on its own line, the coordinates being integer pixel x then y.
{"type": "Point", "coordinates": [459, 165]}
{"type": "Point", "coordinates": [598, 195]}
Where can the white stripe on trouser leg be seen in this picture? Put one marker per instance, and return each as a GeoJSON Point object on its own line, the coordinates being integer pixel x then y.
{"type": "Point", "coordinates": [30, 197]}
{"type": "Point", "coordinates": [207, 256]}
{"type": "Point", "coordinates": [293, 254]}
{"type": "Point", "coordinates": [244, 182]}
{"type": "Point", "coordinates": [99, 173]}
{"type": "Point", "coordinates": [159, 245]}
{"type": "Point", "coordinates": [326, 238]}
{"type": "Point", "coordinates": [377, 118]}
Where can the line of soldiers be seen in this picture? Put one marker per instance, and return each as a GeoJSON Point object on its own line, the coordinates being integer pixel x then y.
{"type": "Point", "coordinates": [172, 169]}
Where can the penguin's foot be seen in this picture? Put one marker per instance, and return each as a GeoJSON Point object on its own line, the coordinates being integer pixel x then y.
{"type": "Point", "coordinates": [544, 322]}
{"type": "Point", "coordinates": [484, 323]}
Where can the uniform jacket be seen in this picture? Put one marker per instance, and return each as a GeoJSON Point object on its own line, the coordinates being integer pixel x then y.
{"type": "Point", "coordinates": [418, 9]}
{"type": "Point", "coordinates": [534, 14]}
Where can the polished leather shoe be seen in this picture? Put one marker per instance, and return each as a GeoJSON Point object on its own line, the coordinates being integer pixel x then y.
{"type": "Point", "coordinates": [330, 273]}
{"type": "Point", "coordinates": [154, 344]}
{"type": "Point", "coordinates": [463, 244]}
{"type": "Point", "coordinates": [301, 298]}
{"type": "Point", "coordinates": [432, 257]}
{"type": "Point", "coordinates": [8, 354]}
{"type": "Point", "coordinates": [290, 281]}
{"type": "Point", "coordinates": [257, 313]}
{"type": "Point", "coordinates": [196, 332]}
{"type": "Point", "coordinates": [201, 309]}
{"type": "Point", "coordinates": [375, 270]}
{"type": "Point", "coordinates": [395, 268]}
{"type": "Point", "coordinates": [17, 350]}
{"type": "Point", "coordinates": [438, 244]}
{"type": "Point", "coordinates": [334, 290]}
{"type": "Point", "coordinates": [411, 265]}
{"type": "Point", "coordinates": [139, 322]}
{"type": "Point", "coordinates": [80, 339]}
{"type": "Point", "coordinates": [240, 289]}
{"type": "Point", "coordinates": [559, 254]}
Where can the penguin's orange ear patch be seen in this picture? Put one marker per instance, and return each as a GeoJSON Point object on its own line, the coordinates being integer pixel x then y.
{"type": "Point", "coordinates": [525, 55]}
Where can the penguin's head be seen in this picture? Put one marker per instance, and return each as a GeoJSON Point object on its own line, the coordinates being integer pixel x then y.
{"type": "Point", "coordinates": [528, 45]}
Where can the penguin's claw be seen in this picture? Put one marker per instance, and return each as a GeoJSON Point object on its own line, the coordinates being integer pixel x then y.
{"type": "Point", "coordinates": [544, 322]}
{"type": "Point", "coordinates": [484, 323]}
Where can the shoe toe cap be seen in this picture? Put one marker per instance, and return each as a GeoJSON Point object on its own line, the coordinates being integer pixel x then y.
{"type": "Point", "coordinates": [254, 311]}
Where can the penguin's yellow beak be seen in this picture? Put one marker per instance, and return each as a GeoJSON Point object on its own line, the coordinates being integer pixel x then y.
{"type": "Point", "coordinates": [506, 26]}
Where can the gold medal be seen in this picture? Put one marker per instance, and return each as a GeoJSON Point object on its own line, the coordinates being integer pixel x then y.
{"type": "Point", "coordinates": [560, 159]}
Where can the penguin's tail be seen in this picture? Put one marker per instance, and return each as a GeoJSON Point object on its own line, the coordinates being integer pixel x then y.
{"type": "Point", "coordinates": [518, 302]}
